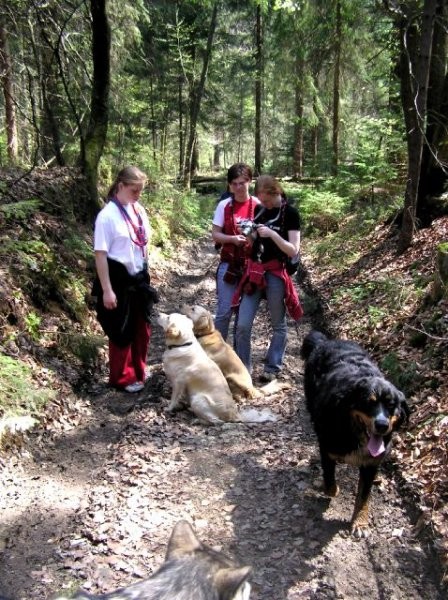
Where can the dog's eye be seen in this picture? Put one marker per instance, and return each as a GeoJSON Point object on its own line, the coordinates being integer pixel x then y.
{"type": "Point", "coordinates": [391, 405]}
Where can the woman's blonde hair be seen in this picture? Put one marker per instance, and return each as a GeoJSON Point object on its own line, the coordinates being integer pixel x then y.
{"type": "Point", "coordinates": [127, 176]}
{"type": "Point", "coordinates": [268, 185]}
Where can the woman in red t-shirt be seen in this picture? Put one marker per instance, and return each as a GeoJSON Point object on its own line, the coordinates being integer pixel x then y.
{"type": "Point", "coordinates": [235, 247]}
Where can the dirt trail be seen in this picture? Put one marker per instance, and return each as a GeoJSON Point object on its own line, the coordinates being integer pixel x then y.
{"type": "Point", "coordinates": [92, 504]}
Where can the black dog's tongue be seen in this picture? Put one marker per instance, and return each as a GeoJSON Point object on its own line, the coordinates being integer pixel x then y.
{"type": "Point", "coordinates": [376, 445]}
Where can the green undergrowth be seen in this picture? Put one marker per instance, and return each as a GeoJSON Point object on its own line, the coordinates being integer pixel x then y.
{"type": "Point", "coordinates": [20, 395]}
{"type": "Point", "coordinates": [327, 206]}
{"type": "Point", "coordinates": [176, 215]}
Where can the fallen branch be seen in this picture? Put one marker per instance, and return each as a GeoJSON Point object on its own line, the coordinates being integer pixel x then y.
{"type": "Point", "coordinates": [433, 337]}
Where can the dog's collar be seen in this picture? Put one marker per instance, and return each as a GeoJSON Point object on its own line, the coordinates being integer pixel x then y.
{"type": "Point", "coordinates": [179, 345]}
{"type": "Point", "coordinates": [201, 334]}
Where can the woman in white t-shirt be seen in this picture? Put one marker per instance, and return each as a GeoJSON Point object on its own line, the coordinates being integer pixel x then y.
{"type": "Point", "coordinates": [121, 238]}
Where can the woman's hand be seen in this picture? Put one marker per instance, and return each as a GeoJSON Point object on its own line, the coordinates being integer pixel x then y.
{"type": "Point", "coordinates": [290, 246]}
{"type": "Point", "coordinates": [109, 300]}
{"type": "Point", "coordinates": [239, 240]}
{"type": "Point", "coordinates": [267, 232]}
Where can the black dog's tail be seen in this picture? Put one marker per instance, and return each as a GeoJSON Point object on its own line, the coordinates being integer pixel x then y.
{"type": "Point", "coordinates": [311, 341]}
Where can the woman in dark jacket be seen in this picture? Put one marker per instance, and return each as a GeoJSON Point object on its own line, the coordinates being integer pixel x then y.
{"type": "Point", "coordinates": [276, 239]}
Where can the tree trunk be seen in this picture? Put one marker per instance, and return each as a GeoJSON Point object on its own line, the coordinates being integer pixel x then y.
{"type": "Point", "coordinates": [197, 98]}
{"type": "Point", "coordinates": [195, 158]}
{"type": "Point", "coordinates": [315, 128]}
{"type": "Point", "coordinates": [433, 175]}
{"type": "Point", "coordinates": [99, 111]}
{"type": "Point", "coordinates": [336, 90]}
{"type": "Point", "coordinates": [297, 164]}
{"type": "Point", "coordinates": [180, 110]}
{"type": "Point", "coordinates": [258, 89]}
{"type": "Point", "coordinates": [417, 112]}
{"type": "Point", "coordinates": [153, 118]}
{"type": "Point", "coordinates": [51, 138]}
{"type": "Point", "coordinates": [217, 157]}
{"type": "Point", "coordinates": [240, 124]}
{"type": "Point", "coordinates": [439, 285]}
{"type": "Point", "coordinates": [7, 85]}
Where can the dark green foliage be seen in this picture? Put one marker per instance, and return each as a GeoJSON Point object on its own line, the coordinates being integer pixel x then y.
{"type": "Point", "coordinates": [403, 374]}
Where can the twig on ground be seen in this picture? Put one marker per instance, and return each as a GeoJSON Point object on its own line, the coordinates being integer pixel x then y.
{"type": "Point", "coordinates": [433, 337]}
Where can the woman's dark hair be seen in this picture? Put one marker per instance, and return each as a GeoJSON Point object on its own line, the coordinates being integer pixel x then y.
{"type": "Point", "coordinates": [239, 170]}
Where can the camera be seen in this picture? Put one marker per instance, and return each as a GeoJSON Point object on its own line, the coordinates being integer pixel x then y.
{"type": "Point", "coordinates": [246, 226]}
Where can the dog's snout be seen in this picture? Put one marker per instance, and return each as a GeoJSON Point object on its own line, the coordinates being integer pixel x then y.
{"type": "Point", "coordinates": [381, 424]}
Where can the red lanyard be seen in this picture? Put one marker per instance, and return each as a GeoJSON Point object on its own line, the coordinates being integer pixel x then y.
{"type": "Point", "coordinates": [141, 239]}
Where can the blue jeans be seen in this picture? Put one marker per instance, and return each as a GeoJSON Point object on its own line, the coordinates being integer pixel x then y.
{"type": "Point", "coordinates": [225, 293]}
{"type": "Point", "coordinates": [275, 297]}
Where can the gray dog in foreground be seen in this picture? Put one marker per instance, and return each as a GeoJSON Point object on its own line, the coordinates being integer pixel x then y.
{"type": "Point", "coordinates": [191, 571]}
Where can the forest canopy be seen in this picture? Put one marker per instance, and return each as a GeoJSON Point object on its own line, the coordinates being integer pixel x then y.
{"type": "Point", "coordinates": [299, 88]}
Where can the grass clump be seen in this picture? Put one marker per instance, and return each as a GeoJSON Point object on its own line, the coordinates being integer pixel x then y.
{"type": "Point", "coordinates": [22, 210]}
{"type": "Point", "coordinates": [402, 374]}
{"type": "Point", "coordinates": [18, 394]}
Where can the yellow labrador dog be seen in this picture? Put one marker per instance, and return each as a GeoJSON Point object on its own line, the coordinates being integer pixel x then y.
{"type": "Point", "coordinates": [236, 374]}
{"type": "Point", "coordinates": [196, 379]}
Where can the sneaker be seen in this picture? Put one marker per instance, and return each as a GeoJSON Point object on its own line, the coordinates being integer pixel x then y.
{"type": "Point", "coordinates": [134, 387]}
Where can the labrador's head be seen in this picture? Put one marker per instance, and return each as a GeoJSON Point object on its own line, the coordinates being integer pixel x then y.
{"type": "Point", "coordinates": [201, 317]}
{"type": "Point", "coordinates": [178, 328]}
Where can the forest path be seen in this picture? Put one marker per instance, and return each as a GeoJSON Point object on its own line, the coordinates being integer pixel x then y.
{"type": "Point", "coordinates": [92, 502]}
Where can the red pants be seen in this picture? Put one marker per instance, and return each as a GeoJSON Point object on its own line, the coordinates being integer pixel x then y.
{"type": "Point", "coordinates": [128, 365]}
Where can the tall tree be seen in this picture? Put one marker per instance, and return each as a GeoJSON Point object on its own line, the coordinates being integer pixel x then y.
{"type": "Point", "coordinates": [92, 148]}
{"type": "Point", "coordinates": [196, 99]}
{"type": "Point", "coordinates": [7, 85]}
{"type": "Point", "coordinates": [434, 172]}
{"type": "Point", "coordinates": [297, 160]}
{"type": "Point", "coordinates": [416, 60]}
{"type": "Point", "coordinates": [258, 87]}
{"type": "Point", "coordinates": [336, 85]}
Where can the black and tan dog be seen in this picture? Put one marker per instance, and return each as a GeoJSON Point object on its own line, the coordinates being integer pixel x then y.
{"type": "Point", "coordinates": [354, 410]}
{"type": "Point", "coordinates": [191, 570]}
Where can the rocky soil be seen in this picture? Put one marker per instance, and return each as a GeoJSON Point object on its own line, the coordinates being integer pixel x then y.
{"type": "Point", "coordinates": [89, 499]}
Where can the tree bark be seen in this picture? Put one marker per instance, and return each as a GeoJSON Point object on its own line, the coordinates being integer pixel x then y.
{"type": "Point", "coordinates": [99, 110]}
{"type": "Point", "coordinates": [51, 137]}
{"type": "Point", "coordinates": [297, 164]}
{"type": "Point", "coordinates": [197, 98]}
{"type": "Point", "coordinates": [258, 89]}
{"type": "Point", "coordinates": [180, 110]}
{"type": "Point", "coordinates": [7, 84]}
{"type": "Point", "coordinates": [433, 175]}
{"type": "Point", "coordinates": [336, 90]}
{"type": "Point", "coordinates": [417, 114]}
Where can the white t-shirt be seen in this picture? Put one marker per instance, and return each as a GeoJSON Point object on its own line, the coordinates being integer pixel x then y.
{"type": "Point", "coordinates": [218, 217]}
{"type": "Point", "coordinates": [114, 236]}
